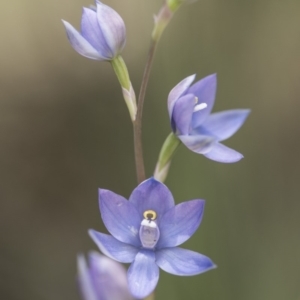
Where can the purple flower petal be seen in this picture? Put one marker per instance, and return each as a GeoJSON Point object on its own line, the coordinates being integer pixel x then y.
{"type": "Point", "coordinates": [120, 217]}
{"type": "Point", "coordinates": [223, 154]}
{"type": "Point", "coordinates": [226, 123]}
{"type": "Point", "coordinates": [113, 248]}
{"type": "Point", "coordinates": [152, 195]}
{"type": "Point", "coordinates": [143, 274]}
{"type": "Point", "coordinates": [109, 277]}
{"type": "Point", "coordinates": [86, 286]}
{"type": "Point", "coordinates": [179, 223]}
{"type": "Point", "coordinates": [198, 143]}
{"type": "Point", "coordinates": [205, 91]}
{"type": "Point", "coordinates": [112, 27]}
{"type": "Point", "coordinates": [91, 31]}
{"type": "Point", "coordinates": [182, 114]}
{"type": "Point", "coordinates": [80, 44]}
{"type": "Point", "coordinates": [177, 91]}
{"type": "Point", "coordinates": [183, 262]}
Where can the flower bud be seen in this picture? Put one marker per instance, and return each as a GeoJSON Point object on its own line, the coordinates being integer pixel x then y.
{"type": "Point", "coordinates": [174, 4]}
{"type": "Point", "coordinates": [103, 33]}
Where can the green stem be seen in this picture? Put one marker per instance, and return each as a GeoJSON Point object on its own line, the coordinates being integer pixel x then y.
{"type": "Point", "coordinates": [121, 71]}
{"type": "Point", "coordinates": [166, 154]}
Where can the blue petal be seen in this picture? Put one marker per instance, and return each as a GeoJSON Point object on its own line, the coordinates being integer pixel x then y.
{"type": "Point", "coordinates": [113, 248]}
{"type": "Point", "coordinates": [112, 27]}
{"type": "Point", "coordinates": [152, 195]}
{"type": "Point", "coordinates": [91, 31]}
{"type": "Point", "coordinates": [177, 91]}
{"type": "Point", "coordinates": [183, 262]}
{"type": "Point", "coordinates": [120, 217]}
{"type": "Point", "coordinates": [143, 274]}
{"type": "Point", "coordinates": [226, 123]}
{"type": "Point", "coordinates": [182, 114]}
{"type": "Point", "coordinates": [179, 223]}
{"type": "Point", "coordinates": [109, 277]}
{"type": "Point", "coordinates": [223, 154]}
{"type": "Point", "coordinates": [86, 286]}
{"type": "Point", "coordinates": [205, 91]}
{"type": "Point", "coordinates": [80, 44]}
{"type": "Point", "coordinates": [198, 143]}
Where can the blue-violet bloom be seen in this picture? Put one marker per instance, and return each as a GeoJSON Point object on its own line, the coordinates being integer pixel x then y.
{"type": "Point", "coordinates": [146, 230]}
{"type": "Point", "coordinates": [103, 279]}
{"type": "Point", "coordinates": [102, 35]}
{"type": "Point", "coordinates": [200, 130]}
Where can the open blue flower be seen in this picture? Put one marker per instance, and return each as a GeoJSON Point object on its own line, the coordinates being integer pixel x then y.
{"type": "Point", "coordinates": [103, 279]}
{"type": "Point", "coordinates": [103, 33]}
{"type": "Point", "coordinates": [146, 230]}
{"type": "Point", "coordinates": [191, 119]}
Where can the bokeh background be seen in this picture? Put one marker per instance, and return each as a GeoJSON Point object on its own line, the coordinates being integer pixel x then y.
{"type": "Point", "coordinates": [65, 131]}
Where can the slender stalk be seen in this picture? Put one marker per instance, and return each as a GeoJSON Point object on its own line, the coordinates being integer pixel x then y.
{"type": "Point", "coordinates": [138, 150]}
{"type": "Point", "coordinates": [137, 124]}
{"type": "Point", "coordinates": [161, 21]}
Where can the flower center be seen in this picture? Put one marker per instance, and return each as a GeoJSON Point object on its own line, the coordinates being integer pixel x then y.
{"type": "Point", "coordinates": [149, 231]}
{"type": "Point", "coordinates": [149, 215]}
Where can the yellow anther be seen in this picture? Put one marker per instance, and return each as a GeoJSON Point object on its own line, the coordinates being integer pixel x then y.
{"type": "Point", "coordinates": [149, 215]}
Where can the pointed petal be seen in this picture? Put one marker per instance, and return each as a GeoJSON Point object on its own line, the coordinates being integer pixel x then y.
{"type": "Point", "coordinates": [91, 31]}
{"type": "Point", "coordinates": [143, 274]}
{"type": "Point", "coordinates": [183, 262]}
{"type": "Point", "coordinates": [113, 248]}
{"type": "Point", "coordinates": [182, 114]}
{"type": "Point", "coordinates": [120, 217]}
{"type": "Point", "coordinates": [177, 91]}
{"type": "Point", "coordinates": [205, 91]}
{"type": "Point", "coordinates": [225, 123]}
{"type": "Point", "coordinates": [198, 143]}
{"type": "Point", "coordinates": [87, 289]}
{"type": "Point", "coordinates": [109, 276]}
{"type": "Point", "coordinates": [80, 44]}
{"type": "Point", "coordinates": [112, 27]}
{"type": "Point", "coordinates": [223, 154]}
{"type": "Point", "coordinates": [152, 195]}
{"type": "Point", "coordinates": [180, 223]}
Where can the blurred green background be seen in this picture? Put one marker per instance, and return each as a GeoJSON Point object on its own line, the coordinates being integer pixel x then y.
{"type": "Point", "coordinates": [65, 131]}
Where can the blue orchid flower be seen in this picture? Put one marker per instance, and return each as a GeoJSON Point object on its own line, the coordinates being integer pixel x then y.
{"type": "Point", "coordinates": [146, 230]}
{"type": "Point", "coordinates": [103, 33]}
{"type": "Point", "coordinates": [191, 119]}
